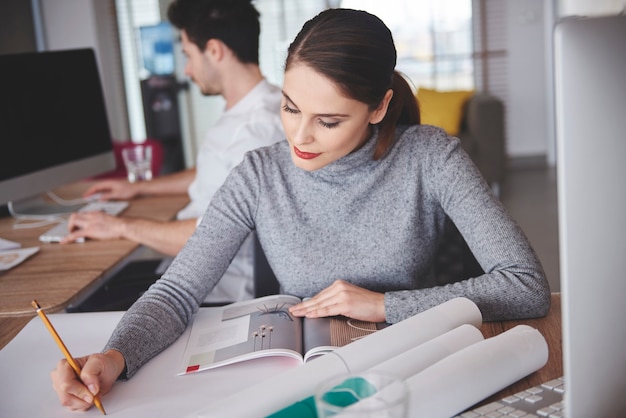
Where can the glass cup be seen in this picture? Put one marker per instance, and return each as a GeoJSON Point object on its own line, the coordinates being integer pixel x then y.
{"type": "Point", "coordinates": [138, 162]}
{"type": "Point", "coordinates": [365, 394]}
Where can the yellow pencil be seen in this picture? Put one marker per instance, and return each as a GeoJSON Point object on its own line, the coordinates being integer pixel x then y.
{"type": "Point", "coordinates": [66, 353]}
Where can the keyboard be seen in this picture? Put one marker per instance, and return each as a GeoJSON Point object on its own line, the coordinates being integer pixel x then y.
{"type": "Point", "coordinates": [57, 232]}
{"type": "Point", "coordinates": [545, 400]}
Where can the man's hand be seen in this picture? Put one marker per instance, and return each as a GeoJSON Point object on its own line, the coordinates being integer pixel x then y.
{"type": "Point", "coordinates": [97, 225]}
{"type": "Point", "coordinates": [113, 190]}
{"type": "Point", "coordinates": [343, 298]}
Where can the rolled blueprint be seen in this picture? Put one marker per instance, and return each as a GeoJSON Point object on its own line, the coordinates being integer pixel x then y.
{"type": "Point", "coordinates": [277, 392]}
{"type": "Point", "coordinates": [403, 365]}
{"type": "Point", "coordinates": [424, 355]}
{"type": "Point", "coordinates": [468, 376]}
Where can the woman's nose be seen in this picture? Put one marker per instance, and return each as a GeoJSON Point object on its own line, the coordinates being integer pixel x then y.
{"type": "Point", "coordinates": [302, 134]}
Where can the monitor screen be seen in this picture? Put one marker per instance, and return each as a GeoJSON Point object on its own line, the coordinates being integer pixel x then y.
{"type": "Point", "coordinates": [54, 128]}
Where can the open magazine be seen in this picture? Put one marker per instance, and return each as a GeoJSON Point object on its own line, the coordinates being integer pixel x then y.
{"type": "Point", "coordinates": [264, 327]}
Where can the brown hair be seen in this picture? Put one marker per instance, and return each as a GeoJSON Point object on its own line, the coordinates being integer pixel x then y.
{"type": "Point", "coordinates": [355, 50]}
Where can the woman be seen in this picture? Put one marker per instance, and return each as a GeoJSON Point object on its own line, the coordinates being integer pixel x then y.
{"type": "Point", "coordinates": [349, 210]}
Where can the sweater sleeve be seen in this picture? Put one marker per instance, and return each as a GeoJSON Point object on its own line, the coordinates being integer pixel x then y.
{"type": "Point", "coordinates": [514, 285]}
{"type": "Point", "coordinates": [163, 312]}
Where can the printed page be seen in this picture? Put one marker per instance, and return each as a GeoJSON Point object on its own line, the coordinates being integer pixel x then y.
{"type": "Point", "coordinates": [322, 335]}
{"type": "Point", "coordinates": [242, 331]}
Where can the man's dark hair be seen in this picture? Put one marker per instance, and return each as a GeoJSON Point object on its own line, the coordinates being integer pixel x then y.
{"type": "Point", "coordinates": [234, 22]}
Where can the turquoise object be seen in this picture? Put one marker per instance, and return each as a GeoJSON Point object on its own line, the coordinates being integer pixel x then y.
{"type": "Point", "coordinates": [350, 391]}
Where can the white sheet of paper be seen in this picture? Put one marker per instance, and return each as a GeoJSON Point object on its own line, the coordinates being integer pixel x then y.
{"type": "Point", "coordinates": [6, 244]}
{"type": "Point", "coordinates": [155, 391]}
{"type": "Point", "coordinates": [11, 258]}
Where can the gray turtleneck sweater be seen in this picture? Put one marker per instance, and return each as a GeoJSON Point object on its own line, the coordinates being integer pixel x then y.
{"type": "Point", "coordinates": [376, 224]}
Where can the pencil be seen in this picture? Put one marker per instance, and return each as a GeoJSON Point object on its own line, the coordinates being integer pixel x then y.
{"type": "Point", "coordinates": [66, 353]}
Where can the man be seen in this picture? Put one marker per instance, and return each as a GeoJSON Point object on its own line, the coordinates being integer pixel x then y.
{"type": "Point", "coordinates": [220, 39]}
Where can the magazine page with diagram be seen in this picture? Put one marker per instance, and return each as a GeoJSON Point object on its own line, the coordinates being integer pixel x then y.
{"type": "Point", "coordinates": [263, 327]}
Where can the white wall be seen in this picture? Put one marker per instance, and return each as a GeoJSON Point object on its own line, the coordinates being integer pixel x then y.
{"type": "Point", "coordinates": [591, 7]}
{"type": "Point", "coordinates": [198, 113]}
{"type": "Point", "coordinates": [72, 24]}
{"type": "Point", "coordinates": [527, 130]}
{"type": "Point", "coordinates": [530, 130]}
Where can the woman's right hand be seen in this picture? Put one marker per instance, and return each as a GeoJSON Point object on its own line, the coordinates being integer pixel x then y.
{"type": "Point", "coordinates": [113, 190]}
{"type": "Point", "coordinates": [99, 372]}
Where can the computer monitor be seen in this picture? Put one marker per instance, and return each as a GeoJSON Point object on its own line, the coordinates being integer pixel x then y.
{"type": "Point", "coordinates": [54, 128]}
{"type": "Point", "coordinates": [590, 82]}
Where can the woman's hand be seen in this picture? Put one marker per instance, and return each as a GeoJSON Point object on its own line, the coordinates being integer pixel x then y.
{"type": "Point", "coordinates": [343, 298]}
{"type": "Point", "coordinates": [99, 372]}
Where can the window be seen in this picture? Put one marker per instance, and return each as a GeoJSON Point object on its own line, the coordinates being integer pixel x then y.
{"type": "Point", "coordinates": [132, 14]}
{"type": "Point", "coordinates": [433, 39]}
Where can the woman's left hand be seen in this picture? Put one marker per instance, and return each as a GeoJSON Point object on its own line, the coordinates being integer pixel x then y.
{"type": "Point", "coordinates": [343, 298]}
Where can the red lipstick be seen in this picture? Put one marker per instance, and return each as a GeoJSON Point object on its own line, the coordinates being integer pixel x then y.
{"type": "Point", "coordinates": [305, 155]}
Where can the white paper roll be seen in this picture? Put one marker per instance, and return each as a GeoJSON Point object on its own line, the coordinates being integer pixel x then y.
{"type": "Point", "coordinates": [424, 355]}
{"type": "Point", "coordinates": [470, 375]}
{"type": "Point", "coordinates": [298, 383]}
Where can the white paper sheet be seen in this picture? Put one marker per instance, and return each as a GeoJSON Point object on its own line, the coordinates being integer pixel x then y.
{"type": "Point", "coordinates": [11, 258]}
{"type": "Point", "coordinates": [6, 244]}
{"type": "Point", "coordinates": [154, 392]}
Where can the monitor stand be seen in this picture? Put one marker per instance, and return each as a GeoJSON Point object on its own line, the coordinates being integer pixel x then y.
{"type": "Point", "coordinates": [41, 206]}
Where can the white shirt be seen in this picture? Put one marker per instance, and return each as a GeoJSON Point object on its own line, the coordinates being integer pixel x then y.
{"type": "Point", "coordinates": [251, 123]}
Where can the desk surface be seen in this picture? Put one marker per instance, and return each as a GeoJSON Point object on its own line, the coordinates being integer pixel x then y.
{"type": "Point", "coordinates": [58, 274]}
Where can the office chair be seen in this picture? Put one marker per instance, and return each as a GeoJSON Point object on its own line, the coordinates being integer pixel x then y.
{"type": "Point", "coordinates": [454, 260]}
{"type": "Point", "coordinates": [265, 282]}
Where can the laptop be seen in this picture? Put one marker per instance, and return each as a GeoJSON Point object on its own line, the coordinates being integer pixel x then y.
{"type": "Point", "coordinates": [590, 84]}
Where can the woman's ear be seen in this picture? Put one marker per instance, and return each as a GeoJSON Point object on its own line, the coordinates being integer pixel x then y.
{"type": "Point", "coordinates": [380, 112]}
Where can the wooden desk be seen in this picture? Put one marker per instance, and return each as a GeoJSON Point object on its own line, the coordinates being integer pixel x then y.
{"type": "Point", "coordinates": [58, 274]}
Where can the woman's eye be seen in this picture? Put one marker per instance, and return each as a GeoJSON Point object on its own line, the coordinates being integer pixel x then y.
{"type": "Point", "coordinates": [328, 125]}
{"type": "Point", "coordinates": [289, 109]}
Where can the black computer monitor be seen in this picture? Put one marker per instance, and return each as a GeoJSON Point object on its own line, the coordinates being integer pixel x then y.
{"type": "Point", "coordinates": [54, 128]}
